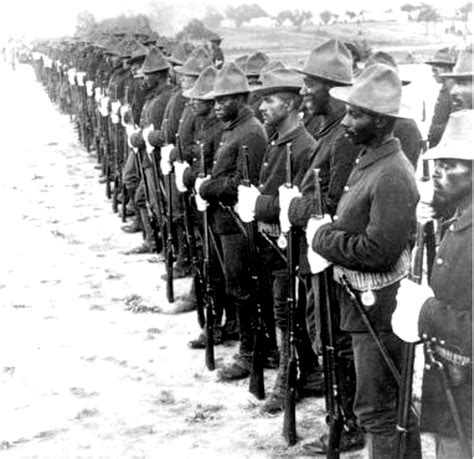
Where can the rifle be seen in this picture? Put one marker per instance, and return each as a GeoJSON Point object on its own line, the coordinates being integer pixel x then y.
{"type": "Point", "coordinates": [330, 360]}
{"type": "Point", "coordinates": [289, 416]}
{"type": "Point", "coordinates": [408, 358]}
{"type": "Point", "coordinates": [116, 158]}
{"type": "Point", "coordinates": [164, 199]}
{"type": "Point", "coordinates": [126, 152]}
{"type": "Point", "coordinates": [428, 230]}
{"type": "Point", "coordinates": [191, 241]}
{"type": "Point", "coordinates": [256, 382]}
{"type": "Point", "coordinates": [209, 291]}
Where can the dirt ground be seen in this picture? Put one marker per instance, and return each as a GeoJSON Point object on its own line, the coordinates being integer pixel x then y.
{"type": "Point", "coordinates": [90, 363]}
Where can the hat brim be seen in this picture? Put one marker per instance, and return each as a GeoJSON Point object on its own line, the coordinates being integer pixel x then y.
{"type": "Point", "coordinates": [184, 71]}
{"type": "Point", "coordinates": [323, 77]}
{"type": "Point", "coordinates": [457, 75]}
{"type": "Point", "coordinates": [213, 94]}
{"type": "Point", "coordinates": [455, 150]}
{"type": "Point", "coordinates": [274, 89]}
{"type": "Point", "coordinates": [444, 64]}
{"type": "Point", "coordinates": [160, 69]}
{"type": "Point", "coordinates": [191, 94]}
{"type": "Point", "coordinates": [342, 94]}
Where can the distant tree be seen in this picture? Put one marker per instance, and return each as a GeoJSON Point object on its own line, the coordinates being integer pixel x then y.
{"type": "Point", "coordinates": [428, 14]}
{"type": "Point", "coordinates": [139, 23]}
{"type": "Point", "coordinates": [85, 23]}
{"type": "Point", "coordinates": [409, 8]}
{"type": "Point", "coordinates": [351, 14]}
{"type": "Point", "coordinates": [325, 16]}
{"type": "Point", "coordinates": [212, 17]}
{"type": "Point", "coordinates": [194, 30]}
{"type": "Point", "coordinates": [244, 13]}
{"type": "Point", "coordinates": [301, 17]}
{"type": "Point", "coordinates": [464, 13]}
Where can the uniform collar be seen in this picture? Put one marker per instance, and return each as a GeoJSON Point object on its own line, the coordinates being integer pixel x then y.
{"type": "Point", "coordinates": [462, 219]}
{"type": "Point", "coordinates": [245, 114]}
{"type": "Point", "coordinates": [289, 136]}
{"type": "Point", "coordinates": [370, 155]}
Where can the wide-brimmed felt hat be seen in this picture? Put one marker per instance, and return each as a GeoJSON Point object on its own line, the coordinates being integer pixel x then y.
{"type": "Point", "coordinates": [377, 89]}
{"type": "Point", "coordinates": [230, 80]}
{"type": "Point", "coordinates": [330, 61]}
{"type": "Point", "coordinates": [463, 67]}
{"type": "Point", "coordinates": [155, 62]}
{"type": "Point", "coordinates": [203, 85]}
{"type": "Point", "coordinates": [444, 56]}
{"type": "Point", "coordinates": [280, 80]}
{"type": "Point", "coordinates": [456, 142]}
{"type": "Point", "coordinates": [178, 55]}
{"type": "Point", "coordinates": [241, 60]}
{"type": "Point", "coordinates": [383, 57]}
{"type": "Point", "coordinates": [216, 38]}
{"type": "Point", "coordinates": [138, 52]}
{"type": "Point", "coordinates": [195, 63]}
{"type": "Point", "coordinates": [254, 64]}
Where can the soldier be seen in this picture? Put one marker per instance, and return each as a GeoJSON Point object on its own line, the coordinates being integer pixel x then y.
{"type": "Point", "coordinates": [442, 312]}
{"type": "Point", "coordinates": [329, 65]}
{"type": "Point", "coordinates": [280, 108]}
{"type": "Point", "coordinates": [217, 55]}
{"type": "Point", "coordinates": [158, 92]}
{"type": "Point", "coordinates": [442, 62]}
{"type": "Point", "coordinates": [230, 93]}
{"type": "Point", "coordinates": [207, 135]}
{"type": "Point", "coordinates": [252, 68]}
{"type": "Point", "coordinates": [368, 243]}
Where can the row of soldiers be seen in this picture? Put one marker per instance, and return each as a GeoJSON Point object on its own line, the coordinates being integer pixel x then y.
{"type": "Point", "coordinates": [289, 195]}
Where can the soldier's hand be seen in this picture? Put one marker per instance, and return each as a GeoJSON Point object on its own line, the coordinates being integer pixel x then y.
{"type": "Point", "coordinates": [179, 168]}
{"type": "Point", "coordinates": [313, 225]}
{"type": "Point", "coordinates": [201, 203]}
{"type": "Point", "coordinates": [165, 163]}
{"type": "Point", "coordinates": [317, 263]}
{"type": "Point", "coordinates": [245, 206]}
{"type": "Point", "coordinates": [410, 299]}
{"type": "Point", "coordinates": [286, 195]}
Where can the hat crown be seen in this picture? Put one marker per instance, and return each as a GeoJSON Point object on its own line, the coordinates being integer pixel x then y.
{"type": "Point", "coordinates": [281, 79]}
{"type": "Point", "coordinates": [445, 55]}
{"type": "Point", "coordinates": [381, 57]}
{"type": "Point", "coordinates": [331, 61]}
{"type": "Point", "coordinates": [255, 62]}
{"type": "Point", "coordinates": [155, 61]}
{"type": "Point", "coordinates": [378, 89]}
{"type": "Point", "coordinates": [241, 60]}
{"type": "Point", "coordinates": [179, 54]}
{"type": "Point", "coordinates": [272, 65]}
{"type": "Point", "coordinates": [204, 84]}
{"type": "Point", "coordinates": [464, 63]}
{"type": "Point", "coordinates": [196, 62]}
{"type": "Point", "coordinates": [230, 80]}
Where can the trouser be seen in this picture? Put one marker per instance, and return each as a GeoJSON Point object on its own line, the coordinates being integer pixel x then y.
{"type": "Point", "coordinates": [448, 448]}
{"type": "Point", "coordinates": [130, 174]}
{"type": "Point", "coordinates": [343, 345]}
{"type": "Point", "coordinates": [376, 396]}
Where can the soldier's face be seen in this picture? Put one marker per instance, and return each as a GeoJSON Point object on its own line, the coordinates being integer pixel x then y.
{"type": "Point", "coordinates": [274, 110]}
{"type": "Point", "coordinates": [201, 107]}
{"type": "Point", "coordinates": [461, 94]}
{"type": "Point", "coordinates": [452, 179]}
{"type": "Point", "coordinates": [315, 94]}
{"type": "Point", "coordinates": [439, 69]}
{"type": "Point", "coordinates": [359, 126]}
{"type": "Point", "coordinates": [253, 81]}
{"type": "Point", "coordinates": [151, 80]}
{"type": "Point", "coordinates": [226, 108]}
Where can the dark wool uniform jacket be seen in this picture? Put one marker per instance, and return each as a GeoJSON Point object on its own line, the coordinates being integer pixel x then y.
{"type": "Point", "coordinates": [448, 316]}
{"type": "Point", "coordinates": [442, 110]}
{"type": "Point", "coordinates": [227, 171]}
{"type": "Point", "coordinates": [334, 154]}
{"type": "Point", "coordinates": [375, 222]}
{"type": "Point", "coordinates": [273, 172]}
{"type": "Point", "coordinates": [208, 132]}
{"type": "Point", "coordinates": [407, 132]}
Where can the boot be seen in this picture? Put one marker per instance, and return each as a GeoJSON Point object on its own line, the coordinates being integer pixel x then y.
{"type": "Point", "coordinates": [134, 227]}
{"type": "Point", "coordinates": [187, 303]}
{"type": "Point", "coordinates": [240, 367]}
{"type": "Point", "coordinates": [351, 440]}
{"type": "Point", "coordinates": [201, 341]}
{"type": "Point", "coordinates": [275, 402]}
{"type": "Point", "coordinates": [149, 245]}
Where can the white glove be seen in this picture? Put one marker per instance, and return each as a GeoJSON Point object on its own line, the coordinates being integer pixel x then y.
{"type": "Point", "coordinates": [97, 95]}
{"type": "Point", "coordinates": [317, 263]}
{"type": "Point", "coordinates": [80, 78]}
{"type": "Point", "coordinates": [130, 130]}
{"type": "Point", "coordinates": [89, 88]}
{"type": "Point", "coordinates": [410, 299]}
{"type": "Point", "coordinates": [245, 206]}
{"type": "Point", "coordinates": [286, 196]}
{"type": "Point", "coordinates": [179, 168]}
{"type": "Point", "coordinates": [424, 210]}
{"type": "Point", "coordinates": [114, 108]}
{"type": "Point", "coordinates": [145, 132]}
{"type": "Point", "coordinates": [124, 109]}
{"type": "Point", "coordinates": [104, 106]}
{"type": "Point", "coordinates": [313, 225]}
{"type": "Point", "coordinates": [165, 162]}
{"type": "Point", "coordinates": [201, 203]}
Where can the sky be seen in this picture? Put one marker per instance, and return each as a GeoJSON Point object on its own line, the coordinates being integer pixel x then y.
{"type": "Point", "coordinates": [43, 18]}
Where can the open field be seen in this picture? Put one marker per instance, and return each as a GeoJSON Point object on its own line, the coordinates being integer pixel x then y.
{"type": "Point", "coordinates": [293, 45]}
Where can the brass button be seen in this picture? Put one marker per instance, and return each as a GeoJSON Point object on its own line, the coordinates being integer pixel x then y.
{"type": "Point", "coordinates": [439, 261]}
{"type": "Point", "coordinates": [265, 164]}
{"type": "Point", "coordinates": [357, 160]}
{"type": "Point", "coordinates": [346, 188]}
{"type": "Point", "coordinates": [335, 218]}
